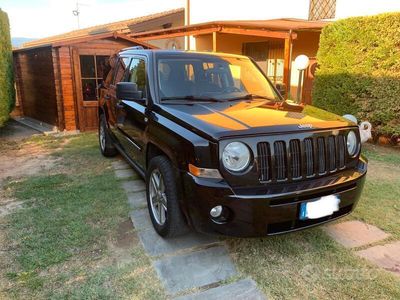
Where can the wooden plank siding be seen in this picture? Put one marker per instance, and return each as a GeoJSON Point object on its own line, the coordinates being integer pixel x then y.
{"type": "Point", "coordinates": [67, 88]}
{"type": "Point", "coordinates": [36, 84]}
{"type": "Point", "coordinates": [48, 81]}
{"type": "Point", "coordinates": [59, 95]}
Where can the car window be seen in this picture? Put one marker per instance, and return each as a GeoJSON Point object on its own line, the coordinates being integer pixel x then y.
{"type": "Point", "coordinates": [120, 69]}
{"type": "Point", "coordinates": [137, 74]}
{"type": "Point", "coordinates": [216, 77]}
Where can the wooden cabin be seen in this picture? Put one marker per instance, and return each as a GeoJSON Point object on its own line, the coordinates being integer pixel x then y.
{"type": "Point", "coordinates": [57, 82]}
{"type": "Point", "coordinates": [56, 77]}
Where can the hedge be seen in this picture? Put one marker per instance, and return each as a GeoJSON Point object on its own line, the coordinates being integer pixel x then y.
{"type": "Point", "coordinates": [7, 92]}
{"type": "Point", "coordinates": [359, 70]}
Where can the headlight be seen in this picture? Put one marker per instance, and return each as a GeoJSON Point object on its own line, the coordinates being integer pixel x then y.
{"type": "Point", "coordinates": [352, 145]}
{"type": "Point", "coordinates": [236, 156]}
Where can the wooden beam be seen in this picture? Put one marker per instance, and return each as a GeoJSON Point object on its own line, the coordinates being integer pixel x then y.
{"type": "Point", "coordinates": [258, 32]}
{"type": "Point", "coordinates": [143, 37]}
{"type": "Point", "coordinates": [214, 35]}
{"type": "Point", "coordinates": [287, 63]}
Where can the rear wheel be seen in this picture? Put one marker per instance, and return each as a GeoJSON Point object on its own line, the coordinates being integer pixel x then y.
{"type": "Point", "coordinates": [162, 198]}
{"type": "Point", "coordinates": [107, 147]}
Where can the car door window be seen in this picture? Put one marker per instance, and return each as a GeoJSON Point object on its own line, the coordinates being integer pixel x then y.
{"type": "Point", "coordinates": [120, 69]}
{"type": "Point", "coordinates": [137, 74]}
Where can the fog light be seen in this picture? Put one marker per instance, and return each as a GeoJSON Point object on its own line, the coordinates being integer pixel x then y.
{"type": "Point", "coordinates": [216, 211]}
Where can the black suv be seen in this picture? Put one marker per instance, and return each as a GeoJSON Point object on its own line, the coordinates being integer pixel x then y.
{"type": "Point", "coordinates": [221, 151]}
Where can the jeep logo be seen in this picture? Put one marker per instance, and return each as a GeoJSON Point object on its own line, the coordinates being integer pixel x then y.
{"type": "Point", "coordinates": [302, 126]}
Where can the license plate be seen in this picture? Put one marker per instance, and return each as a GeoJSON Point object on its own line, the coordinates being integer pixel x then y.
{"type": "Point", "coordinates": [322, 207]}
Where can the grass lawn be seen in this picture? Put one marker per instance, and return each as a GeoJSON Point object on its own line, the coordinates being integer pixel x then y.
{"type": "Point", "coordinates": [309, 265]}
{"type": "Point", "coordinates": [73, 238]}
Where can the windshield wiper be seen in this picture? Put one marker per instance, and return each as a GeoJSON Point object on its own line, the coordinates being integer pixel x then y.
{"type": "Point", "coordinates": [251, 97]}
{"type": "Point", "coordinates": [192, 98]}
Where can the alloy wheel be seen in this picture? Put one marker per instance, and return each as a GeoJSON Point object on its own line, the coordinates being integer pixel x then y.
{"type": "Point", "coordinates": [158, 198]}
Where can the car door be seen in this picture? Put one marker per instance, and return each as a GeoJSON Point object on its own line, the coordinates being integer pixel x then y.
{"type": "Point", "coordinates": [120, 70]}
{"type": "Point", "coordinates": [131, 114]}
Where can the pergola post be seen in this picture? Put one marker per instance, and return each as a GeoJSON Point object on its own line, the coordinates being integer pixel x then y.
{"type": "Point", "coordinates": [214, 42]}
{"type": "Point", "coordinates": [287, 62]}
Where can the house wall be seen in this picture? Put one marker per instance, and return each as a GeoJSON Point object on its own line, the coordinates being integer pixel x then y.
{"type": "Point", "coordinates": [35, 84]}
{"type": "Point", "coordinates": [211, 10]}
{"type": "Point", "coordinates": [306, 43]}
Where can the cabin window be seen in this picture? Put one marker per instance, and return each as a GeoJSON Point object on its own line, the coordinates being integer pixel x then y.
{"type": "Point", "coordinates": [94, 70]}
{"type": "Point", "coordinates": [322, 9]}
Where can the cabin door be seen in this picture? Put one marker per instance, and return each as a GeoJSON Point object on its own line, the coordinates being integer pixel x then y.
{"type": "Point", "coordinates": [91, 69]}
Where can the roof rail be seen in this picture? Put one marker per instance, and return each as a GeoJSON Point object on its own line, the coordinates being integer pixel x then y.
{"type": "Point", "coordinates": [133, 48]}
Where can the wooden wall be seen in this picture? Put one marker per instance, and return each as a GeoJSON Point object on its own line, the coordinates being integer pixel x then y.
{"type": "Point", "coordinates": [49, 84]}
{"type": "Point", "coordinates": [35, 84]}
{"type": "Point", "coordinates": [65, 85]}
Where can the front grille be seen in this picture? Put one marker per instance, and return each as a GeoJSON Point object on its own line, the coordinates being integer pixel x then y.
{"type": "Point", "coordinates": [295, 159]}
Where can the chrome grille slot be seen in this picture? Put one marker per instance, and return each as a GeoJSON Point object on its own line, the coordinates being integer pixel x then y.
{"type": "Point", "coordinates": [309, 156]}
{"type": "Point", "coordinates": [280, 160]}
{"type": "Point", "coordinates": [341, 151]}
{"type": "Point", "coordinates": [295, 158]}
{"type": "Point", "coordinates": [321, 155]}
{"type": "Point", "coordinates": [264, 161]}
{"type": "Point", "coordinates": [331, 155]}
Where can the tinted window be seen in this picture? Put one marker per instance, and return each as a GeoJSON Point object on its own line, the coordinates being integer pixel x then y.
{"type": "Point", "coordinates": [137, 74]}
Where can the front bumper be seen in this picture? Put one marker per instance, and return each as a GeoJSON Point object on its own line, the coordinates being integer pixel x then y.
{"type": "Point", "coordinates": [268, 210]}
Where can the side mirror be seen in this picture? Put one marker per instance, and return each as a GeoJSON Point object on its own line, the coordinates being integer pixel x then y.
{"type": "Point", "coordinates": [281, 89]}
{"type": "Point", "coordinates": [128, 91]}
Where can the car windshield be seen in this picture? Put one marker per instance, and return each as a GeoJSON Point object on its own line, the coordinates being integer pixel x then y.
{"type": "Point", "coordinates": [212, 78]}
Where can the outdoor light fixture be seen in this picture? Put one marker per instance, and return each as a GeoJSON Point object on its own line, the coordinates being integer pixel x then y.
{"type": "Point", "coordinates": [301, 63]}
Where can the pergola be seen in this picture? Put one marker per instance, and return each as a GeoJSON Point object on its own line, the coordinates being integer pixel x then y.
{"type": "Point", "coordinates": [284, 29]}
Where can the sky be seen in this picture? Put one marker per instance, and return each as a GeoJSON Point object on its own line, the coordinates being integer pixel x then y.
{"type": "Point", "coordinates": [42, 18]}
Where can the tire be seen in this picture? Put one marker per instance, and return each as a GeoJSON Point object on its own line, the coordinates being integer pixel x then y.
{"type": "Point", "coordinates": [173, 223]}
{"type": "Point", "coordinates": [107, 147]}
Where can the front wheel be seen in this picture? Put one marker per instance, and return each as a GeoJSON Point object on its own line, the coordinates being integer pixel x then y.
{"type": "Point", "coordinates": [162, 198]}
{"type": "Point", "coordinates": [107, 147]}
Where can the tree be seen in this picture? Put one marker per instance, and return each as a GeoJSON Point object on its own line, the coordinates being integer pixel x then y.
{"type": "Point", "coordinates": [7, 92]}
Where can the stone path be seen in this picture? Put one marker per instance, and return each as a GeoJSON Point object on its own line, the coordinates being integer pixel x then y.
{"type": "Point", "coordinates": [355, 234]}
{"type": "Point", "coordinates": [194, 266]}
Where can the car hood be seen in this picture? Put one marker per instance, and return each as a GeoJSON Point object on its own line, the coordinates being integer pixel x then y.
{"type": "Point", "coordinates": [227, 119]}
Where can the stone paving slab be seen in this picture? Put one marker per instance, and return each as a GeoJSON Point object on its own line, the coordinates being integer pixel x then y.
{"type": "Point", "coordinates": [134, 186]}
{"type": "Point", "coordinates": [156, 245]}
{"type": "Point", "coordinates": [385, 256]}
{"type": "Point", "coordinates": [245, 289]}
{"type": "Point", "coordinates": [353, 234]}
{"type": "Point", "coordinates": [141, 219]}
{"type": "Point", "coordinates": [126, 173]}
{"type": "Point", "coordinates": [120, 165]}
{"type": "Point", "coordinates": [196, 269]}
{"type": "Point", "coordinates": [137, 200]}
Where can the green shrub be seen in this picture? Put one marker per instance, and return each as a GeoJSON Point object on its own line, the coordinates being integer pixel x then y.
{"type": "Point", "coordinates": [359, 70]}
{"type": "Point", "coordinates": [7, 93]}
